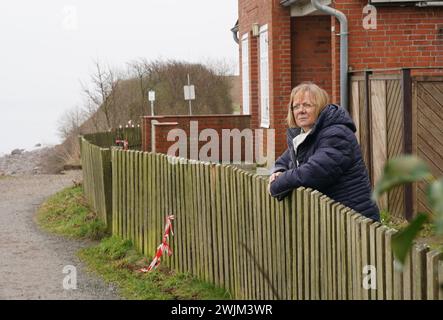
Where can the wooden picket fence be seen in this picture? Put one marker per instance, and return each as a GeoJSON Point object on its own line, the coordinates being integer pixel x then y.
{"type": "Point", "coordinates": [96, 165]}
{"type": "Point", "coordinates": [230, 232]}
{"type": "Point", "coordinates": [97, 183]}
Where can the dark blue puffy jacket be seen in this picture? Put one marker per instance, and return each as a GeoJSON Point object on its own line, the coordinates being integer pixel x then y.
{"type": "Point", "coordinates": [330, 161]}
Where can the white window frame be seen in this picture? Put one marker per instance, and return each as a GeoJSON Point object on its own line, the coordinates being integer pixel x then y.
{"type": "Point", "coordinates": [264, 77]}
{"type": "Point", "coordinates": [245, 74]}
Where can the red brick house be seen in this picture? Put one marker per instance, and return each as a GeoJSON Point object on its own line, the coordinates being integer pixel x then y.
{"type": "Point", "coordinates": [285, 42]}
{"type": "Point", "coordinates": [380, 59]}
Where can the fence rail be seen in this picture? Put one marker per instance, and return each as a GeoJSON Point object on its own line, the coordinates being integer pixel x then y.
{"type": "Point", "coordinates": [230, 232]}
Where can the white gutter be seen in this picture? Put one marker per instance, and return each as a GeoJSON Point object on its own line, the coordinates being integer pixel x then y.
{"type": "Point", "coordinates": [343, 49]}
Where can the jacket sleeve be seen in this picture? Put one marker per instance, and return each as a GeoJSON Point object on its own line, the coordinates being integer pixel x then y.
{"type": "Point", "coordinates": [332, 157]}
{"type": "Point", "coordinates": [282, 163]}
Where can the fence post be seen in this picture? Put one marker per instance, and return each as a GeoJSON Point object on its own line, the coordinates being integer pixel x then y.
{"type": "Point", "coordinates": [406, 85]}
{"type": "Point", "coordinates": [369, 126]}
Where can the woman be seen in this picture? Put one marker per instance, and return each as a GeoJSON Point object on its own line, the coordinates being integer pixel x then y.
{"type": "Point", "coordinates": [323, 153]}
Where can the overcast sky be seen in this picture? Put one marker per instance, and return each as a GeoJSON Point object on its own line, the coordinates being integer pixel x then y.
{"type": "Point", "coordinates": [48, 47]}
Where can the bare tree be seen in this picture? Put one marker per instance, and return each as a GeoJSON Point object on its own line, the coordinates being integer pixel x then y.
{"type": "Point", "coordinates": [101, 97]}
{"type": "Point", "coordinates": [140, 70]}
{"type": "Point", "coordinates": [70, 122]}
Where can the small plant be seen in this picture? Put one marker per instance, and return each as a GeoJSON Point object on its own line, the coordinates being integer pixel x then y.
{"type": "Point", "coordinates": [408, 169]}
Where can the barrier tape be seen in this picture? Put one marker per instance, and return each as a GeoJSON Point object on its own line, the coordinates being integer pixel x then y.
{"type": "Point", "coordinates": [125, 143]}
{"type": "Point", "coordinates": [164, 246]}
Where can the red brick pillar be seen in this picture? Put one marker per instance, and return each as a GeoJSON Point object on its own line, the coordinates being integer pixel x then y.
{"type": "Point", "coordinates": [279, 72]}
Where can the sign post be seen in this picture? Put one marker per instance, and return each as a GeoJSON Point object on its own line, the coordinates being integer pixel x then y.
{"type": "Point", "coordinates": [189, 94]}
{"type": "Point", "coordinates": [151, 97]}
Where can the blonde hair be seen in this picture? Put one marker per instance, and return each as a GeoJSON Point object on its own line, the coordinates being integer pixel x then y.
{"type": "Point", "coordinates": [318, 95]}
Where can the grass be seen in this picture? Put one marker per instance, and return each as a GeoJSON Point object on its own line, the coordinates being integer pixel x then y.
{"type": "Point", "coordinates": [425, 236]}
{"type": "Point", "coordinates": [67, 213]}
{"type": "Point", "coordinates": [115, 260]}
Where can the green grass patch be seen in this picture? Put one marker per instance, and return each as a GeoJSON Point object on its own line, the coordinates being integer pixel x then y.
{"type": "Point", "coordinates": [425, 236]}
{"type": "Point", "coordinates": [115, 260]}
{"type": "Point", "coordinates": [118, 262]}
{"type": "Point", "coordinates": [67, 213]}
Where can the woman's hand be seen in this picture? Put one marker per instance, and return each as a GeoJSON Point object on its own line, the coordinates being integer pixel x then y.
{"type": "Point", "coordinates": [272, 179]}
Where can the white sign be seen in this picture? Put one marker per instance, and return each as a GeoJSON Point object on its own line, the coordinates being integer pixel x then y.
{"type": "Point", "coordinates": [151, 95]}
{"type": "Point", "coordinates": [189, 92]}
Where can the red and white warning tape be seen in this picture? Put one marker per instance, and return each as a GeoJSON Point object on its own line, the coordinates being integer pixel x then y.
{"type": "Point", "coordinates": [164, 246]}
{"type": "Point", "coordinates": [124, 142]}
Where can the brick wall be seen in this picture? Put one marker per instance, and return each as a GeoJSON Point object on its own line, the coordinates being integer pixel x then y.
{"type": "Point", "coordinates": [311, 51]}
{"type": "Point", "coordinates": [405, 37]}
{"type": "Point", "coordinates": [278, 19]}
{"type": "Point", "coordinates": [167, 123]}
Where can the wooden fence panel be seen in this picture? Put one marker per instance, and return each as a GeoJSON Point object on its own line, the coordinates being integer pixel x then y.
{"type": "Point", "coordinates": [429, 135]}
{"type": "Point", "coordinates": [329, 250]}
{"type": "Point", "coordinates": [274, 245]}
{"type": "Point", "coordinates": [381, 262]}
{"type": "Point", "coordinates": [323, 249]}
{"type": "Point", "coordinates": [349, 258]}
{"type": "Point", "coordinates": [242, 230]}
{"type": "Point", "coordinates": [395, 140]}
{"type": "Point", "coordinates": [334, 251]}
{"type": "Point", "coordinates": [432, 261]}
{"type": "Point", "coordinates": [419, 271]}
{"type": "Point", "coordinates": [365, 257]}
{"type": "Point", "coordinates": [342, 253]}
{"type": "Point", "coordinates": [373, 258]}
{"type": "Point", "coordinates": [287, 213]}
{"type": "Point", "coordinates": [314, 241]}
{"type": "Point", "coordinates": [147, 204]}
{"type": "Point", "coordinates": [299, 244]}
{"type": "Point", "coordinates": [234, 229]}
{"type": "Point", "coordinates": [264, 245]}
{"type": "Point", "coordinates": [281, 265]}
{"type": "Point", "coordinates": [293, 214]}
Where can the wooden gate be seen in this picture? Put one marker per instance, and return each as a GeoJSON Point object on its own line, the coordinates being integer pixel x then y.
{"type": "Point", "coordinates": [399, 114]}
{"type": "Point", "coordinates": [428, 130]}
{"type": "Point", "coordinates": [377, 110]}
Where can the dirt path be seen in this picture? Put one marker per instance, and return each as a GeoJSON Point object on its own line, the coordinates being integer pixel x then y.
{"type": "Point", "coordinates": [32, 262]}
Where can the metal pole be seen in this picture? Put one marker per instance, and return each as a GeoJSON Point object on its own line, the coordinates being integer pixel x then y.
{"type": "Point", "coordinates": [152, 108]}
{"type": "Point", "coordinates": [190, 103]}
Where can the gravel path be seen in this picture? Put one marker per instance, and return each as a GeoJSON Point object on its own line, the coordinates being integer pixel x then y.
{"type": "Point", "coordinates": [31, 261]}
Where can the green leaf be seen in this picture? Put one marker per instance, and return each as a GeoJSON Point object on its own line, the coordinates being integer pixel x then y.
{"type": "Point", "coordinates": [435, 199]}
{"type": "Point", "coordinates": [401, 170]}
{"type": "Point", "coordinates": [402, 241]}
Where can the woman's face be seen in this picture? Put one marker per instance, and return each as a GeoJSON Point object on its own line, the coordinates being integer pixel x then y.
{"type": "Point", "coordinates": [304, 111]}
